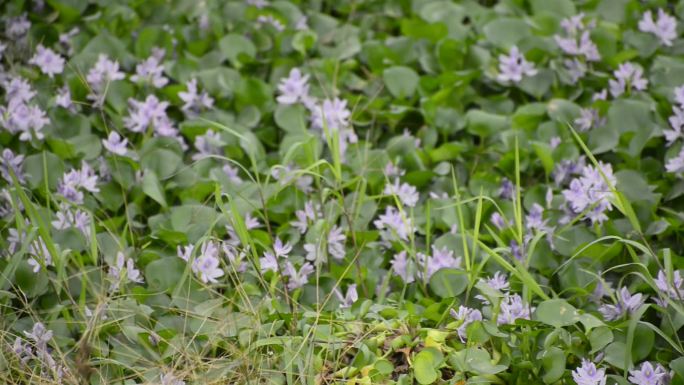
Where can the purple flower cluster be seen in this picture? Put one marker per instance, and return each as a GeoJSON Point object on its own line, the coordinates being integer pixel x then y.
{"type": "Point", "coordinates": [591, 192]}
{"type": "Point", "coordinates": [589, 118]}
{"type": "Point", "coordinates": [588, 374]}
{"type": "Point", "coordinates": [19, 115]}
{"type": "Point", "coordinates": [36, 351]}
{"type": "Point", "coordinates": [408, 195]}
{"type": "Point", "coordinates": [664, 28]}
{"type": "Point", "coordinates": [626, 304]}
{"type": "Point", "coordinates": [49, 62]}
{"type": "Point", "coordinates": [675, 288]}
{"type": "Point", "coordinates": [628, 76]}
{"type": "Point", "coordinates": [75, 181]}
{"type": "Point", "coordinates": [440, 259]}
{"type": "Point", "coordinates": [103, 72]}
{"type": "Point", "coordinates": [151, 71]}
{"type": "Point", "coordinates": [123, 271]}
{"type": "Point", "coordinates": [577, 40]}
{"type": "Point", "coordinates": [647, 374]}
{"type": "Point", "coordinates": [467, 316]}
{"type": "Point", "coordinates": [513, 307]}
{"type": "Point", "coordinates": [194, 101]}
{"type": "Point", "coordinates": [393, 223]}
{"type": "Point", "coordinates": [513, 67]}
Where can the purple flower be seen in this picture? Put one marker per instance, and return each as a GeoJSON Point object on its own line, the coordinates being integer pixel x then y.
{"type": "Point", "coordinates": [349, 298]}
{"type": "Point", "coordinates": [170, 379]}
{"type": "Point", "coordinates": [440, 259]}
{"type": "Point", "coordinates": [40, 335]}
{"type": "Point", "coordinates": [665, 28]}
{"type": "Point", "coordinates": [65, 39]}
{"type": "Point", "coordinates": [589, 118]}
{"type": "Point", "coordinates": [566, 169]}
{"type": "Point", "coordinates": [626, 303]}
{"type": "Point", "coordinates": [679, 95]}
{"type": "Point", "coordinates": [310, 213]}
{"type": "Point", "coordinates": [280, 249]}
{"type": "Point", "coordinates": [587, 374]}
{"type": "Point", "coordinates": [394, 223]}
{"type": "Point", "coordinates": [103, 72]}
{"type": "Point", "coordinates": [576, 69]}
{"type": "Point", "coordinates": [16, 27]}
{"type": "Point", "coordinates": [235, 258]}
{"type": "Point", "coordinates": [74, 181]}
{"type": "Point", "coordinates": [63, 98]}
{"type": "Point", "coordinates": [498, 221]}
{"type": "Point", "coordinates": [270, 20]}
{"type": "Point", "coordinates": [206, 266]}
{"type": "Point", "coordinates": [151, 113]}
{"type": "Point", "coordinates": [676, 164]}
{"type": "Point", "coordinates": [677, 123]}
{"type": "Point", "coordinates": [468, 316]}
{"type": "Point", "coordinates": [518, 251]}
{"type": "Point", "coordinates": [48, 61]}
{"type": "Point", "coordinates": [297, 278]}
{"type": "Point", "coordinates": [301, 24]}
{"type": "Point", "coordinates": [185, 252]}
{"type": "Point", "coordinates": [150, 71]}
{"type": "Point", "coordinates": [67, 218]}
{"type": "Point", "coordinates": [407, 194]}
{"type": "Point", "coordinates": [627, 76]}
{"type": "Point", "coordinates": [193, 101]}
{"type": "Point", "coordinates": [268, 262]}
{"type": "Point", "coordinates": [208, 144]}
{"type": "Point", "coordinates": [675, 289]}
{"type": "Point", "coordinates": [590, 191]}
{"type": "Point", "coordinates": [115, 144]}
{"type": "Point", "coordinates": [514, 67]}
{"type": "Point", "coordinates": [535, 220]}
{"type": "Point", "coordinates": [498, 281]}
{"type": "Point", "coordinates": [331, 115]}
{"type": "Point", "coordinates": [512, 308]}
{"type": "Point", "coordinates": [507, 189]}
{"type": "Point", "coordinates": [233, 174]}
{"type": "Point", "coordinates": [9, 161]}
{"type": "Point", "coordinates": [401, 266]}
{"type": "Point", "coordinates": [18, 88]}
{"type": "Point", "coordinates": [123, 271]}
{"type": "Point", "coordinates": [336, 239]}
{"type": "Point", "coordinates": [294, 88]}
{"type": "Point", "coordinates": [648, 375]}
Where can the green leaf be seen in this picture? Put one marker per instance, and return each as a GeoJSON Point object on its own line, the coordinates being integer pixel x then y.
{"type": "Point", "coordinates": [448, 283]}
{"type": "Point", "coordinates": [562, 8]}
{"type": "Point", "coordinates": [553, 362]}
{"type": "Point", "coordinates": [234, 47]}
{"type": "Point", "coordinates": [153, 188]}
{"type": "Point", "coordinates": [424, 367]}
{"type": "Point", "coordinates": [401, 81]}
{"type": "Point", "coordinates": [291, 118]}
{"type": "Point", "coordinates": [304, 41]}
{"type": "Point", "coordinates": [505, 32]}
{"type": "Point", "coordinates": [165, 273]}
{"type": "Point", "coordinates": [599, 338]}
{"type": "Point", "coordinates": [557, 312]}
{"type": "Point", "coordinates": [485, 124]}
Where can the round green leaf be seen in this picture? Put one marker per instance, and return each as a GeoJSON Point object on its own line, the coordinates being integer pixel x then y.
{"type": "Point", "coordinates": [401, 81]}
{"type": "Point", "coordinates": [448, 282]}
{"type": "Point", "coordinates": [557, 312]}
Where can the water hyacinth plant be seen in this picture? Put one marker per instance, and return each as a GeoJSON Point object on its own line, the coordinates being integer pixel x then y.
{"type": "Point", "coordinates": [341, 192]}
